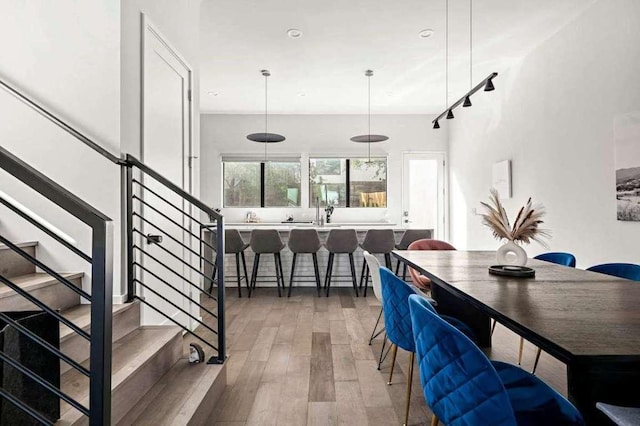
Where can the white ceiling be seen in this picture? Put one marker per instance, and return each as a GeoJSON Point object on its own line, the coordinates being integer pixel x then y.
{"type": "Point", "coordinates": [323, 71]}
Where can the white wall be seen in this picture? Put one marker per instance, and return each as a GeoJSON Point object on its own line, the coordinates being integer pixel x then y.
{"type": "Point", "coordinates": [315, 135]}
{"type": "Point", "coordinates": [554, 116]}
{"type": "Point", "coordinates": [66, 55]}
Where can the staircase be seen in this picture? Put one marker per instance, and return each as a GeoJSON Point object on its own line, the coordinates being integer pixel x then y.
{"type": "Point", "coordinates": [152, 380]}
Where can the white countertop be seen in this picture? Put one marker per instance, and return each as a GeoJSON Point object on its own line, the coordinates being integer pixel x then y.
{"type": "Point", "coordinates": [326, 227]}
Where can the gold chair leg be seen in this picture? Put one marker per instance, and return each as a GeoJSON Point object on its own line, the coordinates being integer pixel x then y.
{"type": "Point", "coordinates": [412, 358]}
{"type": "Point", "coordinates": [393, 362]}
{"type": "Point", "coordinates": [434, 420]}
{"type": "Point", "coordinates": [520, 351]}
{"type": "Point", "coordinates": [535, 364]}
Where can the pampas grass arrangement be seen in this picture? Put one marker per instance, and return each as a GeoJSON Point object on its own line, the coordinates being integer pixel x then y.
{"type": "Point", "coordinates": [526, 227]}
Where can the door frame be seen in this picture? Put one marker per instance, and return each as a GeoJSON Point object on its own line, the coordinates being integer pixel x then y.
{"type": "Point", "coordinates": [443, 209]}
{"type": "Point", "coordinates": [149, 29]}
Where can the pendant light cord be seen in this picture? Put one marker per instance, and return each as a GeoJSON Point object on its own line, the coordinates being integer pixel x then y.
{"type": "Point", "coordinates": [446, 54]}
{"type": "Point", "coordinates": [369, 112]}
{"type": "Point", "coordinates": [470, 44]}
{"type": "Point", "coordinates": [266, 114]}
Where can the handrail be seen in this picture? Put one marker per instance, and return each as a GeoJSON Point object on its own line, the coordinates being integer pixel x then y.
{"type": "Point", "coordinates": [133, 161]}
{"type": "Point", "coordinates": [59, 122]}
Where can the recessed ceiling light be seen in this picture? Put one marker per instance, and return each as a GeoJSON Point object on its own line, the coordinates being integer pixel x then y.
{"type": "Point", "coordinates": [294, 33]}
{"type": "Point", "coordinates": [212, 93]}
{"type": "Point", "coordinates": [425, 33]}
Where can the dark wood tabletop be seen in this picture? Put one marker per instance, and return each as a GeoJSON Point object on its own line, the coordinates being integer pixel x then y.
{"type": "Point", "coordinates": [569, 312]}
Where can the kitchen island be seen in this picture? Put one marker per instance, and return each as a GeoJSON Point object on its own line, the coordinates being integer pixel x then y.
{"type": "Point", "coordinates": [304, 263]}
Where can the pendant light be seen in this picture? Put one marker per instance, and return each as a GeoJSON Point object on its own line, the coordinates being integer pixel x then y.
{"type": "Point", "coordinates": [369, 138]}
{"type": "Point", "coordinates": [487, 83]}
{"type": "Point", "coordinates": [265, 137]}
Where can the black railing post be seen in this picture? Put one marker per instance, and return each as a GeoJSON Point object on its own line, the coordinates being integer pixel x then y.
{"type": "Point", "coordinates": [101, 317]}
{"type": "Point", "coordinates": [222, 350]}
{"type": "Point", "coordinates": [129, 207]}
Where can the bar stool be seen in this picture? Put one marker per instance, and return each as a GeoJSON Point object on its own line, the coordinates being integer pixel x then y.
{"type": "Point", "coordinates": [377, 241]}
{"type": "Point", "coordinates": [233, 244]}
{"type": "Point", "coordinates": [304, 241]}
{"type": "Point", "coordinates": [341, 241]}
{"type": "Point", "coordinates": [409, 236]}
{"type": "Point", "coordinates": [266, 241]}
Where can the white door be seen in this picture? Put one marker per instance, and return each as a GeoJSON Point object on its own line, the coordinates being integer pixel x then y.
{"type": "Point", "coordinates": [166, 147]}
{"type": "Point", "coordinates": [423, 192]}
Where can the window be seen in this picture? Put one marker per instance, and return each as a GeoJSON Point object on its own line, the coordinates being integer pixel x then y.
{"type": "Point", "coordinates": [260, 184]}
{"type": "Point", "coordinates": [348, 182]}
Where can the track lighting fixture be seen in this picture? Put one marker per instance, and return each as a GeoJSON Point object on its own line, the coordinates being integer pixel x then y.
{"type": "Point", "coordinates": [450, 115]}
{"type": "Point", "coordinates": [436, 125]}
{"type": "Point", "coordinates": [467, 102]}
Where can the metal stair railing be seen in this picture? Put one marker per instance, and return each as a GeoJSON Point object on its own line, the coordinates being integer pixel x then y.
{"type": "Point", "coordinates": [100, 297]}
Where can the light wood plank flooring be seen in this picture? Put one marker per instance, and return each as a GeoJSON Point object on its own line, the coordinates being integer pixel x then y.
{"type": "Point", "coordinates": [305, 360]}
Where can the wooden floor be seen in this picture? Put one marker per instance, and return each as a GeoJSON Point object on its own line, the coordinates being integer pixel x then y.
{"type": "Point", "coordinates": [305, 360]}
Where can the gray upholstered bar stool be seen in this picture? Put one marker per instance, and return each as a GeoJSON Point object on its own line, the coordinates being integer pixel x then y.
{"type": "Point", "coordinates": [341, 241]}
{"type": "Point", "coordinates": [266, 241]}
{"type": "Point", "coordinates": [304, 241]}
{"type": "Point", "coordinates": [409, 236]}
{"type": "Point", "coordinates": [377, 241]}
{"type": "Point", "coordinates": [233, 244]}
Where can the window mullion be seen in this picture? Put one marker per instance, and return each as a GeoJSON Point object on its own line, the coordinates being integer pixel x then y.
{"type": "Point", "coordinates": [348, 179]}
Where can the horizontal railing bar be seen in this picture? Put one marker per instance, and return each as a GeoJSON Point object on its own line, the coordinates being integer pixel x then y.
{"type": "Point", "coordinates": [46, 230]}
{"type": "Point", "coordinates": [173, 238]}
{"type": "Point", "coordinates": [167, 201]}
{"type": "Point", "coordinates": [172, 186]}
{"type": "Point", "coordinates": [176, 306]}
{"type": "Point", "coordinates": [169, 269]}
{"type": "Point", "coordinates": [61, 123]}
{"type": "Point", "coordinates": [42, 382]}
{"type": "Point", "coordinates": [135, 197]}
{"type": "Point", "coordinates": [185, 263]}
{"type": "Point", "coordinates": [25, 408]}
{"type": "Point", "coordinates": [51, 190]}
{"type": "Point", "coordinates": [176, 323]}
{"type": "Point", "coordinates": [175, 289]}
{"type": "Point", "coordinates": [44, 307]}
{"type": "Point", "coordinates": [45, 268]}
{"type": "Point", "coordinates": [48, 346]}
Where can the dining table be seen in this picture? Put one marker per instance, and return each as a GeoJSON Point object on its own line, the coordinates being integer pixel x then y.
{"type": "Point", "coordinates": [587, 320]}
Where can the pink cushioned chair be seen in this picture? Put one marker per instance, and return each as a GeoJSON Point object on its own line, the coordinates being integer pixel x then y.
{"type": "Point", "coordinates": [418, 279]}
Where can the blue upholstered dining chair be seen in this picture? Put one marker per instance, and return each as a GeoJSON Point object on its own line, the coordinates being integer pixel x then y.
{"type": "Point", "coordinates": [559, 258]}
{"type": "Point", "coordinates": [629, 271]}
{"type": "Point", "coordinates": [463, 387]}
{"type": "Point", "coordinates": [397, 322]}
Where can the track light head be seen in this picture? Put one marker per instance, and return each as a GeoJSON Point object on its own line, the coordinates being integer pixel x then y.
{"type": "Point", "coordinates": [436, 125]}
{"type": "Point", "coordinates": [488, 87]}
{"type": "Point", "coordinates": [450, 115]}
{"type": "Point", "coordinates": [467, 102]}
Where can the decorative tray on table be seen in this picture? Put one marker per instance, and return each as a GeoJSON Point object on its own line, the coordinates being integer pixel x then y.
{"type": "Point", "coordinates": [512, 271]}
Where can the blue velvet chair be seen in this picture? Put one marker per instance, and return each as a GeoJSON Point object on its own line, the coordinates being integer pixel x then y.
{"type": "Point", "coordinates": [559, 258]}
{"type": "Point", "coordinates": [629, 271]}
{"type": "Point", "coordinates": [397, 322]}
{"type": "Point", "coordinates": [463, 387]}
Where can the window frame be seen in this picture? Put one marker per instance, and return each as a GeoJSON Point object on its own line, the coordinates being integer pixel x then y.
{"type": "Point", "coordinates": [262, 177]}
{"type": "Point", "coordinates": [348, 178]}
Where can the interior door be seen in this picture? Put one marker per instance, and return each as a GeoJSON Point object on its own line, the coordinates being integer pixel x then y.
{"type": "Point", "coordinates": [166, 147]}
{"type": "Point", "coordinates": [423, 192]}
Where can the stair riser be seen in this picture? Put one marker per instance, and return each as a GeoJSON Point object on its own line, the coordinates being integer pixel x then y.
{"type": "Point", "coordinates": [204, 410]}
{"type": "Point", "coordinates": [55, 296]}
{"type": "Point", "coordinates": [13, 265]}
{"type": "Point", "coordinates": [127, 395]}
{"type": "Point", "coordinates": [77, 347]}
